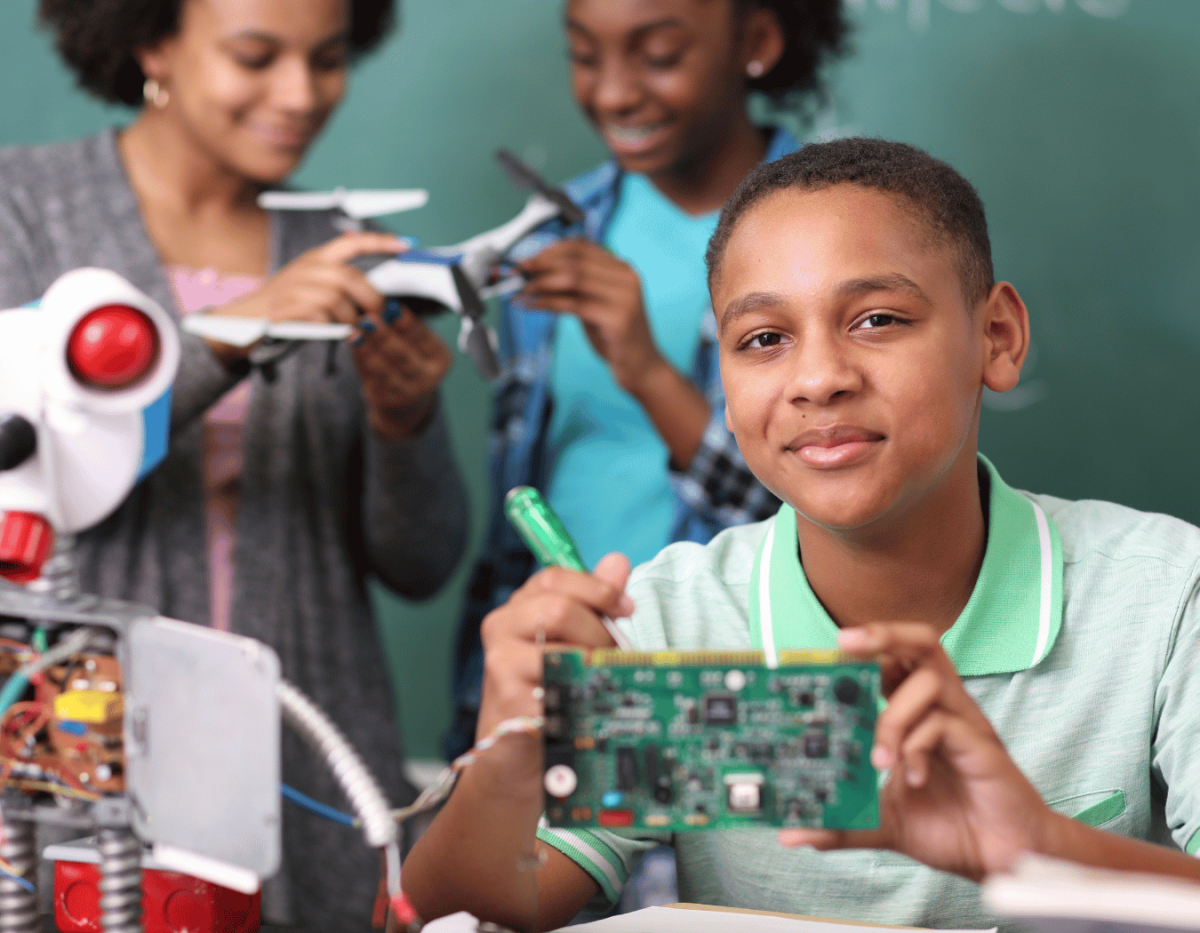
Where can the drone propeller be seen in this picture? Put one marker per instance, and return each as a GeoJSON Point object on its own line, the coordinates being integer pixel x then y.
{"type": "Point", "coordinates": [524, 177]}
{"type": "Point", "coordinates": [358, 204]}
{"type": "Point", "coordinates": [475, 339]}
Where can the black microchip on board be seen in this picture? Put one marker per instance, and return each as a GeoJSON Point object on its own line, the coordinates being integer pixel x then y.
{"type": "Point", "coordinates": [627, 769]}
{"type": "Point", "coordinates": [816, 745]}
{"type": "Point", "coordinates": [720, 709]}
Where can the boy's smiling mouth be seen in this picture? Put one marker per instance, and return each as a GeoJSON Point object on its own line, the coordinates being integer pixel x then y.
{"type": "Point", "coordinates": [836, 445]}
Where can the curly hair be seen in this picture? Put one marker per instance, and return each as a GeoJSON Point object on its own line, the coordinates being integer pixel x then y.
{"type": "Point", "coordinates": [944, 201]}
{"type": "Point", "coordinates": [816, 33]}
{"type": "Point", "coordinates": [97, 38]}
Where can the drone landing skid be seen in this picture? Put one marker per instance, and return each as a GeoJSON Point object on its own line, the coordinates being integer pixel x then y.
{"type": "Point", "coordinates": [247, 331]}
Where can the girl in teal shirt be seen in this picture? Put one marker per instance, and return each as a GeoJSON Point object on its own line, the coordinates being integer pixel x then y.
{"type": "Point", "coordinates": [609, 399]}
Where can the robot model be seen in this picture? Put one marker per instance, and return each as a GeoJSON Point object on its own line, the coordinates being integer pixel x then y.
{"type": "Point", "coordinates": [144, 730]}
{"type": "Point", "coordinates": [455, 278]}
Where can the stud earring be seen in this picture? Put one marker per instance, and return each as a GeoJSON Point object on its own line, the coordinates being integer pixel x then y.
{"type": "Point", "coordinates": [155, 94]}
{"type": "Point", "coordinates": [755, 69]}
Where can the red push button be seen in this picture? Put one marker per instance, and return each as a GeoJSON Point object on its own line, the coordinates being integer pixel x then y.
{"type": "Point", "coordinates": [112, 347]}
{"type": "Point", "coordinates": [26, 540]}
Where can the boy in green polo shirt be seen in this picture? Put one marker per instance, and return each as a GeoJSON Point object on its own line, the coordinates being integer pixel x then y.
{"type": "Point", "coordinates": [1037, 653]}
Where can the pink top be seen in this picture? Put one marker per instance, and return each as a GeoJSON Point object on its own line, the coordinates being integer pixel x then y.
{"type": "Point", "coordinates": [224, 424]}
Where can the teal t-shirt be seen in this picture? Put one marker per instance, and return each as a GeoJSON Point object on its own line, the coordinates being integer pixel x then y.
{"type": "Point", "coordinates": [608, 477]}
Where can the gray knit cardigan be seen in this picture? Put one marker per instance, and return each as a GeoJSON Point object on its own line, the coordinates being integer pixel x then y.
{"type": "Point", "coordinates": [323, 504]}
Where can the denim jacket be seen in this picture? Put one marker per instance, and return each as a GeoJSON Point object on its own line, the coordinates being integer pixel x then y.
{"type": "Point", "coordinates": [716, 490]}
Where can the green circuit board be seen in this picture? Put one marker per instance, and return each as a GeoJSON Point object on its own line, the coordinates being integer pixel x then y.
{"type": "Point", "coordinates": [681, 741]}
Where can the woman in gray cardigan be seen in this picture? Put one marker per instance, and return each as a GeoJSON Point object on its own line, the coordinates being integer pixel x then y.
{"type": "Point", "coordinates": [342, 466]}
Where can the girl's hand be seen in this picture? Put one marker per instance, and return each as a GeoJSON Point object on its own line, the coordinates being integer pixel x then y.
{"type": "Point", "coordinates": [954, 800]}
{"type": "Point", "coordinates": [400, 366]}
{"type": "Point", "coordinates": [320, 285]}
{"type": "Point", "coordinates": [581, 278]}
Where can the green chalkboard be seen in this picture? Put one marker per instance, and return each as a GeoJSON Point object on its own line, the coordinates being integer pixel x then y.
{"type": "Point", "coordinates": [1076, 119]}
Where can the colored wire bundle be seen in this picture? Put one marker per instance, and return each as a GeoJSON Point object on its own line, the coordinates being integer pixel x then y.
{"type": "Point", "coordinates": [74, 643]}
{"type": "Point", "coordinates": [9, 871]}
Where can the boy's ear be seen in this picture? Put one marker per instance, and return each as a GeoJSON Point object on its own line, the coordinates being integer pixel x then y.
{"type": "Point", "coordinates": [1005, 323]}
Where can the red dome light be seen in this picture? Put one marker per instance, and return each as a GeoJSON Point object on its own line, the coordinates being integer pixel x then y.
{"type": "Point", "coordinates": [112, 347]}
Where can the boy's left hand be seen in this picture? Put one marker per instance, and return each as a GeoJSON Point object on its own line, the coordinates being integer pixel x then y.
{"type": "Point", "coordinates": [581, 278]}
{"type": "Point", "coordinates": [955, 800]}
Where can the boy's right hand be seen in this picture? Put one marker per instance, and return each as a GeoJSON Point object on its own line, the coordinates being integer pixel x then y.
{"type": "Point", "coordinates": [556, 608]}
{"type": "Point", "coordinates": [481, 853]}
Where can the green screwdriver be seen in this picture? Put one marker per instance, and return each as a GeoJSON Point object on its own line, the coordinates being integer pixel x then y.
{"type": "Point", "coordinates": [544, 534]}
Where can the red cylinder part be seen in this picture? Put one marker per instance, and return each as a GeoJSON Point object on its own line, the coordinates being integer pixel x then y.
{"type": "Point", "coordinates": [26, 540]}
{"type": "Point", "coordinates": [171, 902]}
{"type": "Point", "coordinates": [112, 347]}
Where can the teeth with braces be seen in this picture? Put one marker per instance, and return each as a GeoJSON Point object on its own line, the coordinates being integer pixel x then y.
{"type": "Point", "coordinates": [629, 134]}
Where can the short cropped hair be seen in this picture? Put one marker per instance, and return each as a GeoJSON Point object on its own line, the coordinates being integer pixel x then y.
{"type": "Point", "coordinates": [935, 193]}
{"type": "Point", "coordinates": [97, 38]}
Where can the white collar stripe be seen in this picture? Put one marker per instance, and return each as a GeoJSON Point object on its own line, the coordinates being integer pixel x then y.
{"type": "Point", "coordinates": [1046, 601]}
{"type": "Point", "coordinates": [765, 616]}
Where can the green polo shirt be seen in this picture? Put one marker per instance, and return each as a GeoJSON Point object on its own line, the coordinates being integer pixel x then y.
{"type": "Point", "coordinates": [1081, 643]}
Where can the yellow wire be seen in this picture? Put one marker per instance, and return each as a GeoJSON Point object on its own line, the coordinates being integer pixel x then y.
{"type": "Point", "coordinates": [28, 784]}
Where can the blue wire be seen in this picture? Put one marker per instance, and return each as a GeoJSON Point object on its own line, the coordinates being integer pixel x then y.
{"type": "Point", "coordinates": [315, 806]}
{"type": "Point", "coordinates": [23, 882]}
{"type": "Point", "coordinates": [12, 690]}
{"type": "Point", "coordinates": [17, 683]}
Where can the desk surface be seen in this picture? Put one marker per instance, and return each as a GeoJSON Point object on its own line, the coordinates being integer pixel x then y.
{"type": "Point", "coordinates": [702, 918]}
{"type": "Point", "coordinates": [771, 913]}
{"type": "Point", "coordinates": [48, 926]}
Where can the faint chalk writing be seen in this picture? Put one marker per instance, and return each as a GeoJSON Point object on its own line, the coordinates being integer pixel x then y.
{"type": "Point", "coordinates": [920, 12]}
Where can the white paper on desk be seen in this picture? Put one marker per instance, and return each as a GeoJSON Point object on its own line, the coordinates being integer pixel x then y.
{"type": "Point", "coordinates": [1052, 893]}
{"type": "Point", "coordinates": [684, 920]}
{"type": "Point", "coordinates": [461, 922]}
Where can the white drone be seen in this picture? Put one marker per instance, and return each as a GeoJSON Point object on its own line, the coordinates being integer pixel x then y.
{"type": "Point", "coordinates": [455, 278]}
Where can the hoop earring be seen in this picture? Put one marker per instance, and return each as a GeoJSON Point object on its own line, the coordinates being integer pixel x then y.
{"type": "Point", "coordinates": [756, 69]}
{"type": "Point", "coordinates": [155, 94]}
